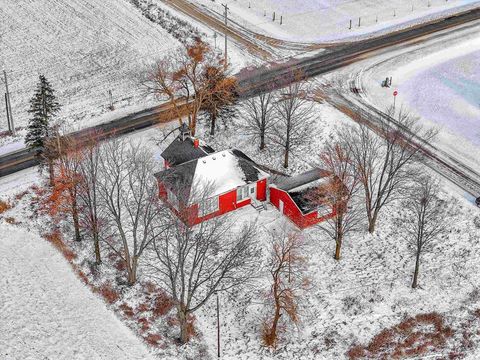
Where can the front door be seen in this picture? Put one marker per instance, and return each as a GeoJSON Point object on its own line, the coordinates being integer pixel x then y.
{"type": "Point", "coordinates": [252, 191]}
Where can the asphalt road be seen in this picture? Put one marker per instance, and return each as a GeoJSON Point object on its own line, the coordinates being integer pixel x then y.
{"type": "Point", "coordinates": [25, 158]}
{"type": "Point", "coordinates": [254, 82]}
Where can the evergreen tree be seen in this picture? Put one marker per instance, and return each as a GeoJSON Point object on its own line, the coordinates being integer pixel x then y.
{"type": "Point", "coordinates": [43, 106]}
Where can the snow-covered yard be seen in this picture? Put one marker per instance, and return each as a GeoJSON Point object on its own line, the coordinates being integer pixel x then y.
{"type": "Point", "coordinates": [329, 20]}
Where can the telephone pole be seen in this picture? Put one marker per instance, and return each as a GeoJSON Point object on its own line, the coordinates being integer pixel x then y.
{"type": "Point", "coordinates": [226, 21]}
{"type": "Point", "coordinates": [8, 105]}
{"type": "Point", "coordinates": [218, 326]}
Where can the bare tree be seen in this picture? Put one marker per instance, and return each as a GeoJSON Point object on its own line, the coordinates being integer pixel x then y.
{"type": "Point", "coordinates": [259, 120]}
{"type": "Point", "coordinates": [424, 217]}
{"type": "Point", "coordinates": [191, 79]}
{"type": "Point", "coordinates": [220, 93]}
{"type": "Point", "coordinates": [285, 270]}
{"type": "Point", "coordinates": [129, 194]}
{"type": "Point", "coordinates": [195, 262]}
{"type": "Point", "coordinates": [89, 192]}
{"type": "Point", "coordinates": [383, 158]}
{"type": "Point", "coordinates": [340, 194]}
{"type": "Point", "coordinates": [294, 118]}
{"type": "Point", "coordinates": [66, 178]}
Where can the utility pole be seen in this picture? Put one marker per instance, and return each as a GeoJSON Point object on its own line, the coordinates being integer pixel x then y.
{"type": "Point", "coordinates": [226, 22]}
{"type": "Point", "coordinates": [11, 126]}
{"type": "Point", "coordinates": [110, 97]}
{"type": "Point", "coordinates": [8, 114]}
{"type": "Point", "coordinates": [218, 326]}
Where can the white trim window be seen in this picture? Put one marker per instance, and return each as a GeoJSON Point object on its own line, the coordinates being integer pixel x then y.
{"type": "Point", "coordinates": [242, 193]}
{"type": "Point", "coordinates": [208, 206]}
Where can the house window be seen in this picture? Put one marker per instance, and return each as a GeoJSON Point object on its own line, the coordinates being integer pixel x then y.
{"type": "Point", "coordinates": [208, 206]}
{"type": "Point", "coordinates": [242, 193]}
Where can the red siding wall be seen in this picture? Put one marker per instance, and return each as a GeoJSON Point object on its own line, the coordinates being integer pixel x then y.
{"type": "Point", "coordinates": [291, 210]}
{"type": "Point", "coordinates": [262, 190]}
{"type": "Point", "coordinates": [227, 203]}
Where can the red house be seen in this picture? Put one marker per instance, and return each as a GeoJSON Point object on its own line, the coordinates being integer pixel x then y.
{"type": "Point", "coordinates": [199, 184]}
{"type": "Point", "coordinates": [290, 195]}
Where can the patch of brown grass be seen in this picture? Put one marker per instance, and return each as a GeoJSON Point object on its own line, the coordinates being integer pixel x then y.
{"type": "Point", "coordinates": [55, 238]}
{"type": "Point", "coordinates": [414, 336]}
{"type": "Point", "coordinates": [153, 339]}
{"type": "Point", "coordinates": [4, 206]}
{"type": "Point", "coordinates": [120, 265]}
{"type": "Point", "coordinates": [144, 324]}
{"type": "Point", "coordinates": [142, 308]}
{"type": "Point", "coordinates": [21, 195]}
{"type": "Point", "coordinates": [163, 304]}
{"type": "Point", "coordinates": [108, 293]}
{"type": "Point", "coordinates": [127, 310]}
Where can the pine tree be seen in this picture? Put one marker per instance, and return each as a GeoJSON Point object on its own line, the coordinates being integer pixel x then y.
{"type": "Point", "coordinates": [43, 106]}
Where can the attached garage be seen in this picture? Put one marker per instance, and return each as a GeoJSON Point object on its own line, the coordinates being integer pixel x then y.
{"type": "Point", "coordinates": [290, 195]}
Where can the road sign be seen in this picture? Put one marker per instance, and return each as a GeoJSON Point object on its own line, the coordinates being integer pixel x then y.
{"type": "Point", "coordinates": [395, 93]}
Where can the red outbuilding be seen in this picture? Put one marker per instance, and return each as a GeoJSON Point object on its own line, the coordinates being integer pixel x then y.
{"type": "Point", "coordinates": [211, 183]}
{"type": "Point", "coordinates": [292, 197]}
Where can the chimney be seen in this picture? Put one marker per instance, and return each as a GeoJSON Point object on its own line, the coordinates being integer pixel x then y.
{"type": "Point", "coordinates": [196, 143]}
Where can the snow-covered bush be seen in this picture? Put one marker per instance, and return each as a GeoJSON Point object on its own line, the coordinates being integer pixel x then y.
{"type": "Point", "coordinates": [181, 30]}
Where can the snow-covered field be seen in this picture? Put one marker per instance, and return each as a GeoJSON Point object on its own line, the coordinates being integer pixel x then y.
{"type": "Point", "coordinates": [448, 93]}
{"type": "Point", "coordinates": [85, 48]}
{"type": "Point", "coordinates": [439, 81]}
{"type": "Point", "coordinates": [329, 20]}
{"type": "Point", "coordinates": [47, 313]}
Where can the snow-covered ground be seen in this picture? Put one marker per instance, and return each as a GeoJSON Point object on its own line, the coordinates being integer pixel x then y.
{"type": "Point", "coordinates": [47, 313]}
{"type": "Point", "coordinates": [329, 20]}
{"type": "Point", "coordinates": [449, 92]}
{"type": "Point", "coordinates": [438, 80]}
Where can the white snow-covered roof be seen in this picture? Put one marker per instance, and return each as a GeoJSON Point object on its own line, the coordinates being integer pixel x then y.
{"type": "Point", "coordinates": [219, 172]}
{"type": "Point", "coordinates": [223, 172]}
{"type": "Point", "coordinates": [312, 185]}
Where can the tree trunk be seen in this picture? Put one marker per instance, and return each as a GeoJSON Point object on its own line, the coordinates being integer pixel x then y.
{"type": "Point", "coordinates": [76, 223]}
{"type": "Point", "coordinates": [262, 140]}
{"type": "Point", "coordinates": [132, 271]}
{"type": "Point", "coordinates": [273, 329]}
{"type": "Point", "coordinates": [372, 222]}
{"type": "Point", "coordinates": [213, 119]}
{"type": "Point", "coordinates": [285, 163]}
{"type": "Point", "coordinates": [182, 319]}
{"type": "Point", "coordinates": [96, 245]}
{"type": "Point", "coordinates": [339, 237]}
{"type": "Point", "coordinates": [338, 248]}
{"type": "Point", "coordinates": [415, 274]}
{"type": "Point", "coordinates": [193, 124]}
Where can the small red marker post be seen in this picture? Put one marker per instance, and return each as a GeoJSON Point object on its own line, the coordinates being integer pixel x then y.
{"type": "Point", "coordinates": [395, 93]}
